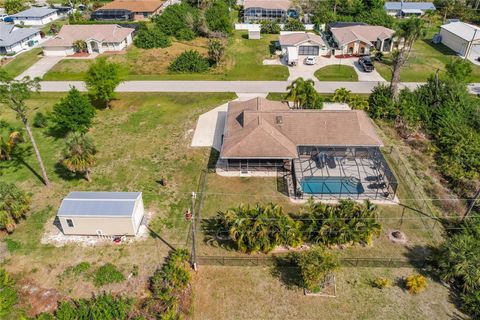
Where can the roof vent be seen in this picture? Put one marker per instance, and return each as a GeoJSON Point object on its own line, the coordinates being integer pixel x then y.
{"type": "Point", "coordinates": [279, 120]}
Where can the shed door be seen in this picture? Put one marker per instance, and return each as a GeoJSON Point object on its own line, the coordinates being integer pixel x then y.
{"type": "Point", "coordinates": [308, 50]}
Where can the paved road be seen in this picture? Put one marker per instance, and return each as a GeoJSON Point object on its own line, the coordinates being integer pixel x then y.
{"type": "Point", "coordinates": [227, 86]}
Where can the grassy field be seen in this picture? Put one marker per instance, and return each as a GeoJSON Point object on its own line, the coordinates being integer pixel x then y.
{"type": "Point", "coordinates": [22, 62]}
{"type": "Point", "coordinates": [241, 58]}
{"type": "Point", "coordinates": [260, 293]}
{"type": "Point", "coordinates": [139, 141]}
{"type": "Point", "coordinates": [336, 73]}
{"type": "Point", "coordinates": [426, 58]}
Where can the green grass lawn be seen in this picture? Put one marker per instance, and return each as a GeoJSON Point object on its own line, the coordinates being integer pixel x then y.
{"type": "Point", "coordinates": [22, 62]}
{"type": "Point", "coordinates": [424, 61]}
{"type": "Point", "coordinates": [243, 61]}
{"type": "Point", "coordinates": [143, 139]}
{"type": "Point", "coordinates": [336, 73]}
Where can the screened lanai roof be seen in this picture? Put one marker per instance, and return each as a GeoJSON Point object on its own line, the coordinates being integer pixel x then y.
{"type": "Point", "coordinates": [99, 204]}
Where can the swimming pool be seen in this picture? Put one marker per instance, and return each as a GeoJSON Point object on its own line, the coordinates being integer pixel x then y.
{"type": "Point", "coordinates": [332, 185]}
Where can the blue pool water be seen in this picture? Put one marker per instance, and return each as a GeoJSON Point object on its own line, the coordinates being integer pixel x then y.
{"type": "Point", "coordinates": [319, 185]}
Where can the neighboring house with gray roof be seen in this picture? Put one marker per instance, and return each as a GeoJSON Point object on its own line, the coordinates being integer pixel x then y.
{"type": "Point", "coordinates": [404, 8]}
{"type": "Point", "coordinates": [14, 40]}
{"type": "Point", "coordinates": [98, 38]}
{"type": "Point", "coordinates": [101, 213]}
{"type": "Point", "coordinates": [361, 39]}
{"type": "Point", "coordinates": [35, 16]}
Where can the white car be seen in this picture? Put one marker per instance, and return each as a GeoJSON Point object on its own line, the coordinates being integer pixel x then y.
{"type": "Point", "coordinates": [310, 60]}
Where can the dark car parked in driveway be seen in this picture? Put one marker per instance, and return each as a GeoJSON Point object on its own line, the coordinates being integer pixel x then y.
{"type": "Point", "coordinates": [366, 63]}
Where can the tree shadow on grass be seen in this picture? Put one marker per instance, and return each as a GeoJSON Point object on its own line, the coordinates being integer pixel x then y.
{"type": "Point", "coordinates": [287, 271]}
{"type": "Point", "coordinates": [215, 235]}
{"type": "Point", "coordinates": [67, 175]}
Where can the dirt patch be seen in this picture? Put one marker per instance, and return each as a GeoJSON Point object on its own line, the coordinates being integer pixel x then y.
{"type": "Point", "coordinates": [35, 299]}
{"type": "Point", "coordinates": [397, 236]}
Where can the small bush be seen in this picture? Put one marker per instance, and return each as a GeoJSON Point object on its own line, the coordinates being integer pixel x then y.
{"type": "Point", "coordinates": [12, 245]}
{"type": "Point", "coordinates": [382, 283]}
{"type": "Point", "coordinates": [415, 283]}
{"type": "Point", "coordinates": [185, 34]}
{"type": "Point", "coordinates": [294, 25]}
{"type": "Point", "coordinates": [314, 265]}
{"type": "Point", "coordinates": [8, 294]}
{"type": "Point", "coordinates": [189, 61]}
{"type": "Point", "coordinates": [80, 268]}
{"type": "Point", "coordinates": [40, 120]}
{"type": "Point", "coordinates": [151, 38]}
{"type": "Point", "coordinates": [135, 270]}
{"type": "Point", "coordinates": [107, 274]}
{"type": "Point", "coordinates": [270, 27]}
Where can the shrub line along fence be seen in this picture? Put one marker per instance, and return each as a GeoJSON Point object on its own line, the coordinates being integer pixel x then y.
{"type": "Point", "coordinates": [273, 260]}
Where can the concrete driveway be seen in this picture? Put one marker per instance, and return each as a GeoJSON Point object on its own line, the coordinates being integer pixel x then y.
{"type": "Point", "coordinates": [210, 125]}
{"type": "Point", "coordinates": [39, 68]}
{"type": "Point", "coordinates": [308, 72]}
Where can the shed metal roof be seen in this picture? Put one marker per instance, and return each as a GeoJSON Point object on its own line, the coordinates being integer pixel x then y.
{"type": "Point", "coordinates": [409, 5]}
{"type": "Point", "coordinates": [463, 30]}
{"type": "Point", "coordinates": [99, 204]}
{"type": "Point", "coordinates": [34, 13]}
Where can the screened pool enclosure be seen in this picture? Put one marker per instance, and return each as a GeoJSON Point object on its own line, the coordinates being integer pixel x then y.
{"type": "Point", "coordinates": [342, 172]}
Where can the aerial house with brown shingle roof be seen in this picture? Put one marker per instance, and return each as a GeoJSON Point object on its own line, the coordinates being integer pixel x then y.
{"type": "Point", "coordinates": [125, 10]}
{"type": "Point", "coordinates": [320, 153]}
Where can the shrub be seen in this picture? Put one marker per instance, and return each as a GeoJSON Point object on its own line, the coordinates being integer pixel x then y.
{"type": "Point", "coordinates": [382, 283]}
{"type": "Point", "coordinates": [12, 245]}
{"type": "Point", "coordinates": [270, 27]}
{"type": "Point", "coordinates": [80, 268]}
{"type": "Point", "coordinates": [40, 120]}
{"type": "Point", "coordinates": [151, 38]}
{"type": "Point", "coordinates": [189, 61]}
{"type": "Point", "coordinates": [73, 113]}
{"type": "Point", "coordinates": [185, 34]}
{"type": "Point", "coordinates": [177, 17]}
{"type": "Point", "coordinates": [259, 228]}
{"type": "Point", "coordinates": [415, 283]}
{"type": "Point", "coordinates": [294, 25]}
{"type": "Point", "coordinates": [314, 265]}
{"type": "Point", "coordinates": [216, 50]}
{"type": "Point", "coordinates": [8, 294]}
{"type": "Point", "coordinates": [14, 205]}
{"type": "Point", "coordinates": [217, 16]}
{"type": "Point", "coordinates": [381, 105]}
{"type": "Point", "coordinates": [104, 306]}
{"type": "Point", "coordinates": [107, 274]}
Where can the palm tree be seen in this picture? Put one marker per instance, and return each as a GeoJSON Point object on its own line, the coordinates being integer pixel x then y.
{"type": "Point", "coordinates": [79, 154]}
{"type": "Point", "coordinates": [215, 50]}
{"type": "Point", "coordinates": [358, 103]}
{"type": "Point", "coordinates": [409, 30]}
{"type": "Point", "coordinates": [341, 95]}
{"type": "Point", "coordinates": [13, 94]}
{"type": "Point", "coordinates": [304, 94]}
{"type": "Point", "coordinates": [80, 46]}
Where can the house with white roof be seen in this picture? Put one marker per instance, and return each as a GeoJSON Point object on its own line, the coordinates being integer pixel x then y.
{"type": "Point", "coordinates": [405, 9]}
{"type": "Point", "coordinates": [461, 37]}
{"type": "Point", "coordinates": [35, 16]}
{"type": "Point", "coordinates": [98, 39]}
{"type": "Point", "coordinates": [299, 43]}
{"type": "Point", "coordinates": [14, 40]}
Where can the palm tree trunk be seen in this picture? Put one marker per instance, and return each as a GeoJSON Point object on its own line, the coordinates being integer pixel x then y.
{"type": "Point", "coordinates": [395, 80]}
{"type": "Point", "coordinates": [37, 152]}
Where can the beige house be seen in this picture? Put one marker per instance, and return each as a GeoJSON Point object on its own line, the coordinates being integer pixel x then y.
{"type": "Point", "coordinates": [327, 154]}
{"type": "Point", "coordinates": [295, 43]}
{"type": "Point", "coordinates": [361, 39]}
{"type": "Point", "coordinates": [101, 213]}
{"type": "Point", "coordinates": [137, 10]}
{"type": "Point", "coordinates": [98, 38]}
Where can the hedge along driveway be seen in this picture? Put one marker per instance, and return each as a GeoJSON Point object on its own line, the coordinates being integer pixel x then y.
{"type": "Point", "coordinates": [243, 61]}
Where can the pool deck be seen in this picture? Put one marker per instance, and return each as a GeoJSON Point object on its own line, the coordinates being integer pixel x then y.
{"type": "Point", "coordinates": [363, 170]}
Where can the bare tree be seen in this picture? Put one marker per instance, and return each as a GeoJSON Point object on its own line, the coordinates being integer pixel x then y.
{"type": "Point", "coordinates": [13, 94]}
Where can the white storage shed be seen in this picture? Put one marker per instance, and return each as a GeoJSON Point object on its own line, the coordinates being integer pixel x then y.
{"type": "Point", "coordinates": [101, 213]}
